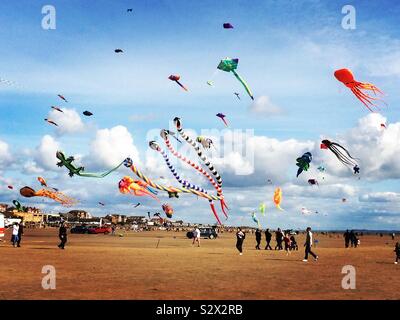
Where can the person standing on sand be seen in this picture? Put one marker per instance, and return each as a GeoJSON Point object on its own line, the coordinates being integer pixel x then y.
{"type": "Point", "coordinates": [62, 234]}
{"type": "Point", "coordinates": [20, 234]}
{"type": "Point", "coordinates": [196, 236]}
{"type": "Point", "coordinates": [268, 237]}
{"type": "Point", "coordinates": [14, 237]}
{"type": "Point", "coordinates": [346, 236]}
{"type": "Point", "coordinates": [287, 241]}
{"type": "Point", "coordinates": [308, 244]}
{"type": "Point", "coordinates": [240, 236]}
{"type": "Point", "coordinates": [258, 238]}
{"type": "Point", "coordinates": [397, 251]}
{"type": "Point", "coordinates": [279, 239]}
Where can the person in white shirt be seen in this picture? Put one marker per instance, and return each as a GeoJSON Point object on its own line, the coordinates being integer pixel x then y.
{"type": "Point", "coordinates": [14, 237]}
{"type": "Point", "coordinates": [196, 236]}
{"type": "Point", "coordinates": [308, 244]}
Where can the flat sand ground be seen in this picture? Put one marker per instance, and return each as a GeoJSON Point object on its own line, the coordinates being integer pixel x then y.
{"type": "Point", "coordinates": [131, 267]}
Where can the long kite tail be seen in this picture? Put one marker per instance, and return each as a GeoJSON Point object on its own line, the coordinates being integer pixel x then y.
{"type": "Point", "coordinates": [100, 175]}
{"type": "Point", "coordinates": [244, 83]}
{"type": "Point", "coordinates": [129, 164]}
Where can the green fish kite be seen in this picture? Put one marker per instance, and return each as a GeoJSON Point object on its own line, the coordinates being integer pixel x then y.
{"type": "Point", "coordinates": [230, 65]}
{"type": "Point", "coordinates": [67, 162]}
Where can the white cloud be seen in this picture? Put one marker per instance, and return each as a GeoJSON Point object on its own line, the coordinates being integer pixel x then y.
{"type": "Point", "coordinates": [68, 121]}
{"type": "Point", "coordinates": [44, 155]}
{"type": "Point", "coordinates": [263, 106]}
{"type": "Point", "coordinates": [111, 146]}
{"type": "Point", "coordinates": [380, 197]}
{"type": "Point", "coordinates": [5, 154]}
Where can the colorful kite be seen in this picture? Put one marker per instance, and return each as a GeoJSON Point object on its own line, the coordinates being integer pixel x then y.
{"type": "Point", "coordinates": [347, 78]}
{"type": "Point", "coordinates": [262, 208]}
{"type": "Point", "coordinates": [229, 65]}
{"type": "Point", "coordinates": [222, 117]}
{"type": "Point", "coordinates": [303, 162]}
{"type": "Point", "coordinates": [67, 162]}
{"type": "Point", "coordinates": [56, 196]}
{"type": "Point", "coordinates": [278, 198]}
{"type": "Point", "coordinates": [168, 210]}
{"type": "Point", "coordinates": [176, 78]}
{"type": "Point", "coordinates": [205, 142]}
{"type": "Point", "coordinates": [128, 185]}
{"type": "Point", "coordinates": [340, 152]}
{"type": "Point", "coordinates": [255, 219]}
{"type": "Point", "coordinates": [42, 181]}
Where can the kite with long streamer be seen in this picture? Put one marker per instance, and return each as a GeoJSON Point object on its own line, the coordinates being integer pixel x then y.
{"type": "Point", "coordinates": [341, 153]}
{"type": "Point", "coordinates": [230, 65]}
{"type": "Point", "coordinates": [128, 185]}
{"type": "Point", "coordinates": [255, 219]}
{"type": "Point", "coordinates": [56, 196]}
{"type": "Point", "coordinates": [262, 208]}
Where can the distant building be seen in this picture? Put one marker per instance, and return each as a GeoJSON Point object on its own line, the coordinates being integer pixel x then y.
{"type": "Point", "coordinates": [77, 214]}
{"type": "Point", "coordinates": [116, 218]}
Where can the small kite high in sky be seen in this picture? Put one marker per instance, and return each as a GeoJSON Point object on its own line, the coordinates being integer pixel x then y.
{"type": "Point", "coordinates": [230, 65]}
{"type": "Point", "coordinates": [51, 122]}
{"type": "Point", "coordinates": [176, 78]}
{"type": "Point", "coordinates": [57, 108]}
{"type": "Point", "coordinates": [87, 113]}
{"type": "Point", "coordinates": [62, 97]}
{"type": "Point", "coordinates": [347, 78]}
{"type": "Point", "coordinates": [118, 51]}
{"type": "Point", "coordinates": [227, 25]}
{"type": "Point", "coordinates": [210, 83]}
{"type": "Point", "coordinates": [312, 182]}
{"type": "Point", "coordinates": [129, 10]}
{"type": "Point", "coordinates": [42, 181]}
{"type": "Point", "coordinates": [222, 117]}
{"type": "Point", "coordinates": [237, 95]}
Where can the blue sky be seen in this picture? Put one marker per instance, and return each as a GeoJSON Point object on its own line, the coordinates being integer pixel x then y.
{"type": "Point", "coordinates": [287, 53]}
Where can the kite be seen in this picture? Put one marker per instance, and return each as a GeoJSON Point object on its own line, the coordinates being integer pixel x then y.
{"type": "Point", "coordinates": [278, 198]}
{"type": "Point", "coordinates": [87, 113]}
{"type": "Point", "coordinates": [168, 210]}
{"type": "Point", "coordinates": [57, 108]}
{"type": "Point", "coordinates": [255, 219]}
{"type": "Point", "coordinates": [159, 217]}
{"type": "Point", "coordinates": [305, 211]}
{"type": "Point", "coordinates": [173, 195]}
{"type": "Point", "coordinates": [229, 65]}
{"type": "Point", "coordinates": [128, 185]}
{"type": "Point", "coordinates": [118, 51]}
{"type": "Point", "coordinates": [262, 208]}
{"type": "Point", "coordinates": [137, 205]}
{"type": "Point", "coordinates": [383, 125]}
{"type": "Point", "coordinates": [67, 162]}
{"type": "Point", "coordinates": [344, 199]}
{"type": "Point", "coordinates": [176, 78]}
{"type": "Point", "coordinates": [210, 83]}
{"type": "Point", "coordinates": [10, 187]}
{"type": "Point", "coordinates": [62, 97]}
{"type": "Point", "coordinates": [312, 182]}
{"type": "Point", "coordinates": [56, 196]}
{"type": "Point", "coordinates": [102, 204]}
{"type": "Point", "coordinates": [343, 156]}
{"type": "Point", "coordinates": [42, 181]}
{"type": "Point", "coordinates": [321, 168]}
{"type": "Point", "coordinates": [129, 10]}
{"type": "Point", "coordinates": [269, 181]}
{"type": "Point", "coordinates": [51, 122]}
{"type": "Point", "coordinates": [356, 169]}
{"type": "Point", "coordinates": [205, 142]}
{"type": "Point", "coordinates": [19, 207]}
{"type": "Point", "coordinates": [227, 26]}
{"type": "Point", "coordinates": [218, 184]}
{"type": "Point", "coordinates": [237, 95]}
{"type": "Point", "coordinates": [222, 116]}
{"type": "Point", "coordinates": [347, 78]}
{"type": "Point", "coordinates": [173, 135]}
{"type": "Point", "coordinates": [303, 162]}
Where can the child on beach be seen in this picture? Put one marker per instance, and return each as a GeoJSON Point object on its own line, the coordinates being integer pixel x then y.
{"type": "Point", "coordinates": [287, 241]}
{"type": "Point", "coordinates": [397, 251]}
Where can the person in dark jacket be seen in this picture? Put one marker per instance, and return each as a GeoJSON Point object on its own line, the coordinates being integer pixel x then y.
{"type": "Point", "coordinates": [268, 237]}
{"type": "Point", "coordinates": [20, 234]}
{"type": "Point", "coordinates": [258, 238]}
{"type": "Point", "coordinates": [353, 239]}
{"type": "Point", "coordinates": [397, 251]}
{"type": "Point", "coordinates": [346, 236]}
{"type": "Point", "coordinates": [308, 244]}
{"type": "Point", "coordinates": [62, 234]}
{"type": "Point", "coordinates": [279, 239]}
{"type": "Point", "coordinates": [240, 236]}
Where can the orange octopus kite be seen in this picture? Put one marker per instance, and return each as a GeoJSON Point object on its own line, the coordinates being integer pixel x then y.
{"type": "Point", "coordinates": [56, 196]}
{"type": "Point", "coordinates": [347, 78]}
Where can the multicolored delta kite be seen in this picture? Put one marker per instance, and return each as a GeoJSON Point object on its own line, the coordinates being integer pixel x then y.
{"type": "Point", "coordinates": [347, 78]}
{"type": "Point", "coordinates": [230, 65]}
